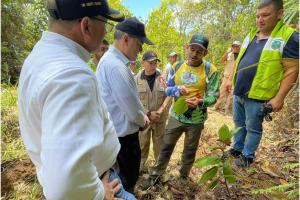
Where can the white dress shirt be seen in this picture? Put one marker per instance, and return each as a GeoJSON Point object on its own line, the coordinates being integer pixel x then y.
{"type": "Point", "coordinates": [167, 70]}
{"type": "Point", "coordinates": [63, 121]}
{"type": "Point", "coordinates": [119, 92]}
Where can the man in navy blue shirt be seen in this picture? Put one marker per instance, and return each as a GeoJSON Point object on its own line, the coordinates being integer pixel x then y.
{"type": "Point", "coordinates": [266, 69]}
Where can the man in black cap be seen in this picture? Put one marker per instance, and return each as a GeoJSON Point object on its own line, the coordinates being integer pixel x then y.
{"type": "Point", "coordinates": [119, 92]}
{"type": "Point", "coordinates": [194, 84]}
{"type": "Point", "coordinates": [151, 87]}
{"type": "Point", "coordinates": [64, 124]}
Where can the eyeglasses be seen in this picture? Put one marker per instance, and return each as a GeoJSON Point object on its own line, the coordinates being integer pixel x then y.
{"type": "Point", "coordinates": [108, 26]}
{"type": "Point", "coordinates": [153, 62]}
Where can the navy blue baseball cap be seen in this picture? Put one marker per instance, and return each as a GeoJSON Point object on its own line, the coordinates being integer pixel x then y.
{"type": "Point", "coordinates": [76, 9]}
{"type": "Point", "coordinates": [134, 27]}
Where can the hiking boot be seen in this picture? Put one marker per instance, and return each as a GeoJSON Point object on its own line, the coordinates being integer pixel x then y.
{"type": "Point", "coordinates": [243, 162]}
{"type": "Point", "coordinates": [183, 180]}
{"type": "Point", "coordinates": [149, 182]}
{"type": "Point", "coordinates": [232, 152]}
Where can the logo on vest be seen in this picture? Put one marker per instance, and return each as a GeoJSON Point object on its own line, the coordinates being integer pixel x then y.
{"type": "Point", "coordinates": [276, 44]}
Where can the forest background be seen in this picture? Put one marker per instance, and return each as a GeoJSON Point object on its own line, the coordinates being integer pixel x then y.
{"type": "Point", "coordinates": [170, 27]}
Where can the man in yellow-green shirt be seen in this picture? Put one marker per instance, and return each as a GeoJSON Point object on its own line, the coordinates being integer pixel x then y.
{"type": "Point", "coordinates": [194, 84]}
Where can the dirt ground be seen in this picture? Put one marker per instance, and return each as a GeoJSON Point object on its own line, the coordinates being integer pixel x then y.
{"type": "Point", "coordinates": [276, 150]}
{"type": "Point", "coordinates": [15, 173]}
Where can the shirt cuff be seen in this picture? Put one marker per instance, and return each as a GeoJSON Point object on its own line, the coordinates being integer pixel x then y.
{"type": "Point", "coordinates": [101, 191]}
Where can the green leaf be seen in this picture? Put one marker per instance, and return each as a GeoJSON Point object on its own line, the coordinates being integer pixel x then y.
{"type": "Point", "coordinates": [209, 174]}
{"type": "Point", "coordinates": [228, 173]}
{"type": "Point", "coordinates": [224, 134]}
{"type": "Point", "coordinates": [293, 194]}
{"type": "Point", "coordinates": [213, 184]}
{"type": "Point", "coordinates": [180, 105]}
{"type": "Point", "coordinates": [208, 160]}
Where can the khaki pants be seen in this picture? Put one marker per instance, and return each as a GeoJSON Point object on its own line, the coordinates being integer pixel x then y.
{"type": "Point", "coordinates": [156, 131]}
{"type": "Point", "coordinates": [224, 96]}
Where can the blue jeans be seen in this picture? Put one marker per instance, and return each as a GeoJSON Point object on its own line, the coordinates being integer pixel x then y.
{"type": "Point", "coordinates": [247, 113]}
{"type": "Point", "coordinates": [122, 192]}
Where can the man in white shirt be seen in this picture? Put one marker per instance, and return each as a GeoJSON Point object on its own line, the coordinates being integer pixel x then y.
{"type": "Point", "coordinates": [172, 59]}
{"type": "Point", "coordinates": [63, 120]}
{"type": "Point", "coordinates": [119, 92]}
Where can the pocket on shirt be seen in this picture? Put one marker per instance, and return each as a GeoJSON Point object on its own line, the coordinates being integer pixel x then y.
{"type": "Point", "coordinates": [143, 95]}
{"type": "Point", "coordinates": [160, 96]}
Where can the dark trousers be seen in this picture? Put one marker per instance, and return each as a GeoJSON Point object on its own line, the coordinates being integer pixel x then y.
{"type": "Point", "coordinates": [129, 159]}
{"type": "Point", "coordinates": [191, 141]}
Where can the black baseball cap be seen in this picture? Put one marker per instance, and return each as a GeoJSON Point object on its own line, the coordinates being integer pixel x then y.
{"type": "Point", "coordinates": [150, 56]}
{"type": "Point", "coordinates": [76, 9]}
{"type": "Point", "coordinates": [134, 27]}
{"type": "Point", "coordinates": [199, 40]}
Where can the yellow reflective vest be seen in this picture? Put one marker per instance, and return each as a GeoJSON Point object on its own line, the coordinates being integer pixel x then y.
{"type": "Point", "coordinates": [270, 70]}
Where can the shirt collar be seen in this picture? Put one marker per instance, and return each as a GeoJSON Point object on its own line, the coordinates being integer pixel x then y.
{"type": "Point", "coordinates": [264, 38]}
{"type": "Point", "coordinates": [119, 54]}
{"type": "Point", "coordinates": [72, 45]}
{"type": "Point", "coordinates": [157, 73]}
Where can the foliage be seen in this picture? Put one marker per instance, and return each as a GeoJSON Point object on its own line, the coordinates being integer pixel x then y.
{"type": "Point", "coordinates": [286, 191]}
{"type": "Point", "coordinates": [172, 24]}
{"type": "Point", "coordinates": [219, 164]}
{"type": "Point", "coordinates": [12, 39]}
{"type": "Point", "coordinates": [116, 4]}
{"type": "Point", "coordinates": [161, 30]}
{"type": "Point", "coordinates": [291, 166]}
{"type": "Point", "coordinates": [291, 12]}
{"type": "Point", "coordinates": [36, 16]}
{"type": "Point", "coordinates": [22, 24]}
{"type": "Point", "coordinates": [12, 145]}
{"type": "Point", "coordinates": [170, 27]}
{"type": "Point", "coordinates": [8, 96]}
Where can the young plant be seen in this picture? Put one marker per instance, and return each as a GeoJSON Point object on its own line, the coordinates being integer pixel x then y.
{"type": "Point", "coordinates": [219, 166]}
{"type": "Point", "coordinates": [286, 191]}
